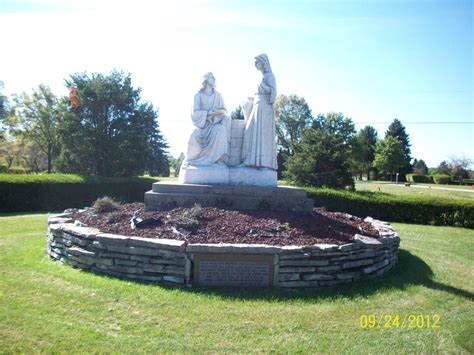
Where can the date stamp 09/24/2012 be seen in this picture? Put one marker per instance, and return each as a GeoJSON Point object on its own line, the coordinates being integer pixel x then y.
{"type": "Point", "coordinates": [395, 321]}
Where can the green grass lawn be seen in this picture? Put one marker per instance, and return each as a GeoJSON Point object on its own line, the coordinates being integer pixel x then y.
{"type": "Point", "coordinates": [401, 189]}
{"type": "Point", "coordinates": [49, 307]}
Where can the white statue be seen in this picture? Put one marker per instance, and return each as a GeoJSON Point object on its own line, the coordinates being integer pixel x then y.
{"type": "Point", "coordinates": [259, 146]}
{"type": "Point", "coordinates": [209, 143]}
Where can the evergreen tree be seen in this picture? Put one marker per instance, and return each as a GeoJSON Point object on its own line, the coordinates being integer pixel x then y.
{"type": "Point", "coordinates": [397, 130]}
{"type": "Point", "coordinates": [237, 114]}
{"type": "Point", "coordinates": [443, 168]}
{"type": "Point", "coordinates": [420, 167]}
{"type": "Point", "coordinates": [364, 151]}
{"type": "Point", "coordinates": [107, 130]}
{"type": "Point", "coordinates": [323, 155]}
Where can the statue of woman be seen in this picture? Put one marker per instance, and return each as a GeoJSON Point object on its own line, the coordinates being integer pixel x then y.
{"type": "Point", "coordinates": [209, 143]}
{"type": "Point", "coordinates": [259, 147]}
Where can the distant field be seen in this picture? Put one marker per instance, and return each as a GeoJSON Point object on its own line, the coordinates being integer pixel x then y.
{"type": "Point", "coordinates": [401, 189]}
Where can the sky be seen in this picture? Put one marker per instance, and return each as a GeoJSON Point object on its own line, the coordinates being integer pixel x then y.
{"type": "Point", "coordinates": [372, 60]}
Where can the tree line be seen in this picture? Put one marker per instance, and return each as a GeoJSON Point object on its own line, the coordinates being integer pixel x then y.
{"type": "Point", "coordinates": [102, 128]}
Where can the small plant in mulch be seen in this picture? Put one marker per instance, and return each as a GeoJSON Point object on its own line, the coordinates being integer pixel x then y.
{"type": "Point", "coordinates": [105, 204]}
{"type": "Point", "coordinates": [188, 220]}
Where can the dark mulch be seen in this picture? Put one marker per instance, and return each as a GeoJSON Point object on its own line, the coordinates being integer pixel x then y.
{"type": "Point", "coordinates": [213, 225]}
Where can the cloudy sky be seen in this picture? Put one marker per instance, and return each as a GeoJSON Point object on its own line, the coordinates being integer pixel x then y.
{"type": "Point", "coordinates": [372, 60]}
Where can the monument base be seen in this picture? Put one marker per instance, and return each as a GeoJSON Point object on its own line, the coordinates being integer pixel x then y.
{"type": "Point", "coordinates": [168, 195]}
{"type": "Point", "coordinates": [221, 174]}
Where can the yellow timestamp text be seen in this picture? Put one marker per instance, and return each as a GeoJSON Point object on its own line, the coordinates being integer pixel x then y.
{"type": "Point", "coordinates": [406, 321]}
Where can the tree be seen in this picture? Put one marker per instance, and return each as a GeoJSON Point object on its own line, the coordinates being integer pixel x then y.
{"type": "Point", "coordinates": [397, 130]}
{"type": "Point", "coordinates": [292, 115]}
{"type": "Point", "coordinates": [389, 156]}
{"type": "Point", "coordinates": [109, 131]}
{"type": "Point", "coordinates": [323, 155]}
{"type": "Point", "coordinates": [363, 151]}
{"type": "Point", "coordinates": [3, 111]}
{"type": "Point", "coordinates": [443, 168]}
{"type": "Point", "coordinates": [420, 167]}
{"type": "Point", "coordinates": [320, 160]}
{"type": "Point", "coordinates": [39, 114]}
{"type": "Point", "coordinates": [459, 166]}
{"type": "Point", "coordinates": [237, 114]}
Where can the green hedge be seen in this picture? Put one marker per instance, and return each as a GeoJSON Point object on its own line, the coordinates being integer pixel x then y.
{"type": "Point", "coordinates": [442, 179]}
{"type": "Point", "coordinates": [60, 191]}
{"type": "Point", "coordinates": [405, 209]}
{"type": "Point", "coordinates": [427, 179]}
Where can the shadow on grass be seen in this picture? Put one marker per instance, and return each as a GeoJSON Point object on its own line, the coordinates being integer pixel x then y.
{"type": "Point", "coordinates": [410, 271]}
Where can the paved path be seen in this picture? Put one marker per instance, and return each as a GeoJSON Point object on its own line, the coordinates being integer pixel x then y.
{"type": "Point", "coordinates": [435, 188]}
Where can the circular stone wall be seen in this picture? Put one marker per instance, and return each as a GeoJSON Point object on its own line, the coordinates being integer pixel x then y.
{"type": "Point", "coordinates": [174, 261]}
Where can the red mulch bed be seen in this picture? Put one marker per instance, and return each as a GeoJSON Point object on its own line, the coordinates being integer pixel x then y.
{"type": "Point", "coordinates": [213, 225]}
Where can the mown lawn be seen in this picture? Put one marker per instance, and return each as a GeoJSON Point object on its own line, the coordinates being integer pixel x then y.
{"type": "Point", "coordinates": [401, 189]}
{"type": "Point", "coordinates": [49, 307]}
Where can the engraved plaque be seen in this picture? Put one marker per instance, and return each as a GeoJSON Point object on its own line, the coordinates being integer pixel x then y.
{"type": "Point", "coordinates": [233, 270]}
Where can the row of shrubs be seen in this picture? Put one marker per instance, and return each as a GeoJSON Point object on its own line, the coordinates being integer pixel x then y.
{"type": "Point", "coordinates": [57, 192]}
{"type": "Point", "coordinates": [442, 179]}
{"type": "Point", "coordinates": [14, 170]}
{"type": "Point", "coordinates": [393, 208]}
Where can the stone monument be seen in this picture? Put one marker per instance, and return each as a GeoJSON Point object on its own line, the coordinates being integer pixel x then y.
{"type": "Point", "coordinates": [231, 163]}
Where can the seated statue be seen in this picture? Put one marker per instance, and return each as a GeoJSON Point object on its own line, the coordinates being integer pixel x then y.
{"type": "Point", "coordinates": [209, 143]}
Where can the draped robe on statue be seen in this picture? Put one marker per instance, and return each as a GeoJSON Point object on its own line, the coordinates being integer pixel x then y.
{"type": "Point", "coordinates": [259, 147]}
{"type": "Point", "coordinates": [209, 143]}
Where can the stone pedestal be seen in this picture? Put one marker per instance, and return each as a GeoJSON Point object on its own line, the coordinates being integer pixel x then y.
{"type": "Point", "coordinates": [167, 195]}
{"type": "Point", "coordinates": [221, 174]}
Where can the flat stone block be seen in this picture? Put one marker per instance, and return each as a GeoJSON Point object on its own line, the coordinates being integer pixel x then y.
{"type": "Point", "coordinates": [252, 177]}
{"type": "Point", "coordinates": [112, 239]}
{"type": "Point", "coordinates": [81, 232]}
{"type": "Point", "coordinates": [167, 244]}
{"type": "Point", "coordinates": [367, 242]}
{"type": "Point", "coordinates": [215, 174]}
{"type": "Point", "coordinates": [352, 264]}
{"type": "Point", "coordinates": [171, 195]}
{"type": "Point", "coordinates": [304, 263]}
{"type": "Point", "coordinates": [317, 277]}
{"type": "Point", "coordinates": [232, 248]}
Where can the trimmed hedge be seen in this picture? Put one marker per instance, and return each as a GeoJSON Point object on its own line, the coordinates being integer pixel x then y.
{"type": "Point", "coordinates": [56, 192]}
{"type": "Point", "coordinates": [427, 179]}
{"type": "Point", "coordinates": [442, 179]}
{"type": "Point", "coordinates": [392, 208]}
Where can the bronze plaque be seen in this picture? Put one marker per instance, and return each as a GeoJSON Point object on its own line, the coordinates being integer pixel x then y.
{"type": "Point", "coordinates": [235, 270]}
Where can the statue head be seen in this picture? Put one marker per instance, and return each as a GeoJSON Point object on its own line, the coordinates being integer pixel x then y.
{"type": "Point", "coordinates": [208, 78]}
{"type": "Point", "coordinates": [263, 59]}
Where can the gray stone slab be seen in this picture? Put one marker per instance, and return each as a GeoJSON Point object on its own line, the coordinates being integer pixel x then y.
{"type": "Point", "coordinates": [157, 243]}
{"type": "Point", "coordinates": [357, 263]}
{"type": "Point", "coordinates": [298, 284]}
{"type": "Point", "coordinates": [165, 195]}
{"type": "Point", "coordinates": [132, 250]}
{"type": "Point", "coordinates": [284, 263]}
{"type": "Point", "coordinates": [112, 239]}
{"type": "Point", "coordinates": [232, 248]}
{"type": "Point", "coordinates": [367, 242]}
{"type": "Point", "coordinates": [317, 277]}
{"type": "Point", "coordinates": [81, 232]}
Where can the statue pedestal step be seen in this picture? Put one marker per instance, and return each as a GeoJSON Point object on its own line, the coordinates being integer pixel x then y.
{"type": "Point", "coordinates": [167, 195]}
{"type": "Point", "coordinates": [221, 174]}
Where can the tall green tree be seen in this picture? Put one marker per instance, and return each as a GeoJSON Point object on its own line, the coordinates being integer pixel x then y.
{"type": "Point", "coordinates": [364, 151]}
{"type": "Point", "coordinates": [292, 115]}
{"type": "Point", "coordinates": [39, 113]}
{"type": "Point", "coordinates": [389, 156]}
{"type": "Point", "coordinates": [420, 167]}
{"type": "Point", "coordinates": [322, 158]}
{"type": "Point", "coordinates": [107, 130]}
{"type": "Point", "coordinates": [397, 130]}
{"type": "Point", "coordinates": [237, 113]}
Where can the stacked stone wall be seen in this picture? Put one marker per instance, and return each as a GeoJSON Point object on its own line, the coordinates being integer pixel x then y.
{"type": "Point", "coordinates": [171, 261]}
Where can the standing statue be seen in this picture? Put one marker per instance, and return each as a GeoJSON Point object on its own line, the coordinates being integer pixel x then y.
{"type": "Point", "coordinates": [209, 143]}
{"type": "Point", "coordinates": [259, 146]}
